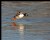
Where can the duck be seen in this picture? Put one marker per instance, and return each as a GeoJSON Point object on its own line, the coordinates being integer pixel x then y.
{"type": "Point", "coordinates": [19, 15]}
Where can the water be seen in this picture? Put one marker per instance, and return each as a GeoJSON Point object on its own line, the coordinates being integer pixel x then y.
{"type": "Point", "coordinates": [34, 27]}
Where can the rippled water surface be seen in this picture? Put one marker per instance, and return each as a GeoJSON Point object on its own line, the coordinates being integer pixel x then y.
{"type": "Point", "coordinates": [36, 26]}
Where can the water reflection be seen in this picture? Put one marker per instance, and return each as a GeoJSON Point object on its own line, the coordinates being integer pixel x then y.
{"type": "Point", "coordinates": [20, 29]}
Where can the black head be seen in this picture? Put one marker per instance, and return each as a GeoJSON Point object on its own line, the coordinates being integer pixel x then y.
{"type": "Point", "coordinates": [25, 14]}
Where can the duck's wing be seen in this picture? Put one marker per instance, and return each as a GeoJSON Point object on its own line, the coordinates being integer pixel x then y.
{"type": "Point", "coordinates": [18, 13]}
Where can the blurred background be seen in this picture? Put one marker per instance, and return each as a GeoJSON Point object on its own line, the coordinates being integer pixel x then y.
{"type": "Point", "coordinates": [36, 26]}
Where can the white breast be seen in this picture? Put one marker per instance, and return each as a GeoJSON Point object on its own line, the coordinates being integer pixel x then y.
{"type": "Point", "coordinates": [21, 15]}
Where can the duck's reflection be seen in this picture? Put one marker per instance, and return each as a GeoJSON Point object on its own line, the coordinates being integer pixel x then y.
{"type": "Point", "coordinates": [20, 29]}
